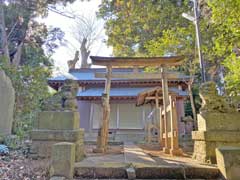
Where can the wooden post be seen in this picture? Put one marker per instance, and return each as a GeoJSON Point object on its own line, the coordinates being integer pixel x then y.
{"type": "Point", "coordinates": [174, 128]}
{"type": "Point", "coordinates": [165, 104]}
{"type": "Point", "coordinates": [102, 140]}
{"type": "Point", "coordinates": [161, 127]}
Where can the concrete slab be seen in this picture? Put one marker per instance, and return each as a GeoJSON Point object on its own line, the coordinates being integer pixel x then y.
{"type": "Point", "coordinates": [135, 156]}
{"type": "Point", "coordinates": [146, 166]}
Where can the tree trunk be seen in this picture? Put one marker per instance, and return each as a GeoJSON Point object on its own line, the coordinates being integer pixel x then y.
{"type": "Point", "coordinates": [84, 54]}
{"type": "Point", "coordinates": [192, 102]}
{"type": "Point", "coordinates": [3, 34]}
{"type": "Point", "coordinates": [102, 140]}
{"type": "Point", "coordinates": [17, 56]}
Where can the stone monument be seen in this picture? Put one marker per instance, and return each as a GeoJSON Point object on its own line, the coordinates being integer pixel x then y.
{"type": "Point", "coordinates": [7, 99]}
{"type": "Point", "coordinates": [218, 125]}
{"type": "Point", "coordinates": [59, 122]}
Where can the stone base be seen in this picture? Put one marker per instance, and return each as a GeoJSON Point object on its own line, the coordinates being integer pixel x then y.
{"type": "Point", "coordinates": [205, 143]}
{"type": "Point", "coordinates": [63, 160]}
{"type": "Point", "coordinates": [176, 152]}
{"type": "Point", "coordinates": [43, 140]}
{"type": "Point", "coordinates": [98, 150]}
{"type": "Point", "coordinates": [166, 150]}
{"type": "Point", "coordinates": [228, 162]}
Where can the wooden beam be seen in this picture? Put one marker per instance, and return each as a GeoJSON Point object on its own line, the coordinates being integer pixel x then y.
{"type": "Point", "coordinates": [137, 61]}
{"type": "Point", "coordinates": [168, 75]}
{"type": "Point", "coordinates": [153, 98]}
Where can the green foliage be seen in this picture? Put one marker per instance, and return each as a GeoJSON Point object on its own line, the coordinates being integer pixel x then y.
{"type": "Point", "coordinates": [132, 24]}
{"type": "Point", "coordinates": [29, 75]}
{"type": "Point", "coordinates": [30, 84]}
{"type": "Point", "coordinates": [226, 22]}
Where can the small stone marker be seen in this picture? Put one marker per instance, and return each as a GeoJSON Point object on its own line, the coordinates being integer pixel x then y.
{"type": "Point", "coordinates": [7, 99]}
{"type": "Point", "coordinates": [57, 178]}
{"type": "Point", "coordinates": [131, 173]}
{"type": "Point", "coordinates": [228, 161]}
{"type": "Point", "coordinates": [63, 159]}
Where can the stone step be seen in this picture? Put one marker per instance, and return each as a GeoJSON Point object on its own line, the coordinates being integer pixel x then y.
{"type": "Point", "coordinates": [161, 172]}
{"type": "Point", "coordinates": [135, 163]}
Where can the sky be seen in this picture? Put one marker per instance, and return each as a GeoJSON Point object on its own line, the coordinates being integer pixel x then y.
{"type": "Point", "coordinates": [63, 54]}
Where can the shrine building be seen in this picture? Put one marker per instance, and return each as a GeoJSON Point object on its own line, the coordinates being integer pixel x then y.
{"type": "Point", "coordinates": [131, 99]}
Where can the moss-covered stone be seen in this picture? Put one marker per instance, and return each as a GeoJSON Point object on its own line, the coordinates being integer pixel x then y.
{"type": "Point", "coordinates": [211, 101]}
{"type": "Point", "coordinates": [58, 135]}
{"type": "Point", "coordinates": [57, 120]}
{"type": "Point", "coordinates": [7, 99]}
{"type": "Point", "coordinates": [63, 159]}
{"type": "Point", "coordinates": [218, 125]}
{"type": "Point", "coordinates": [208, 121]}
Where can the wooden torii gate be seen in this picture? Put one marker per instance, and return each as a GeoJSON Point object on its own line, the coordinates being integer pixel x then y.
{"type": "Point", "coordinates": [110, 62]}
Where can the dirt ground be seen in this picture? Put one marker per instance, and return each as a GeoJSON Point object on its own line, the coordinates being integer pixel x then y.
{"type": "Point", "coordinates": [18, 166]}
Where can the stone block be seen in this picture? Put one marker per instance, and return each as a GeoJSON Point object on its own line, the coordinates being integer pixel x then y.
{"type": "Point", "coordinates": [42, 149]}
{"type": "Point", "coordinates": [205, 143]}
{"type": "Point", "coordinates": [57, 178]}
{"type": "Point", "coordinates": [168, 172]}
{"type": "Point", "coordinates": [131, 173]}
{"type": "Point", "coordinates": [63, 160]}
{"type": "Point", "coordinates": [217, 136]}
{"type": "Point", "coordinates": [228, 161]}
{"type": "Point", "coordinates": [57, 120]}
{"type": "Point", "coordinates": [58, 135]}
{"type": "Point", "coordinates": [7, 100]}
{"type": "Point", "coordinates": [80, 154]}
{"type": "Point", "coordinates": [219, 121]}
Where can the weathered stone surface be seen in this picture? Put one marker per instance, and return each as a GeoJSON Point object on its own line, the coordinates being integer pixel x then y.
{"type": "Point", "coordinates": [211, 101]}
{"type": "Point", "coordinates": [217, 136]}
{"type": "Point", "coordinates": [64, 99]}
{"type": "Point", "coordinates": [218, 125]}
{"type": "Point", "coordinates": [219, 121]}
{"type": "Point", "coordinates": [63, 159]}
{"type": "Point", "coordinates": [7, 99]}
{"type": "Point", "coordinates": [228, 161]}
{"type": "Point", "coordinates": [58, 135]}
{"type": "Point", "coordinates": [159, 172]}
{"type": "Point", "coordinates": [131, 173]}
{"type": "Point", "coordinates": [100, 172]}
{"type": "Point", "coordinates": [57, 126]}
{"type": "Point", "coordinates": [57, 178]}
{"type": "Point", "coordinates": [57, 120]}
{"type": "Point", "coordinates": [80, 154]}
{"type": "Point", "coordinates": [205, 143]}
{"type": "Point", "coordinates": [43, 149]}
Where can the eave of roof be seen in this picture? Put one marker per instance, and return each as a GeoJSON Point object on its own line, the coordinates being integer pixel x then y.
{"type": "Point", "coordinates": [122, 93]}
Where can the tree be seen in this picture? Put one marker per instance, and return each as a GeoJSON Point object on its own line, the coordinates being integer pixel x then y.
{"type": "Point", "coordinates": [130, 25]}
{"type": "Point", "coordinates": [87, 31]}
{"type": "Point", "coordinates": [23, 59]}
{"type": "Point", "coordinates": [225, 19]}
